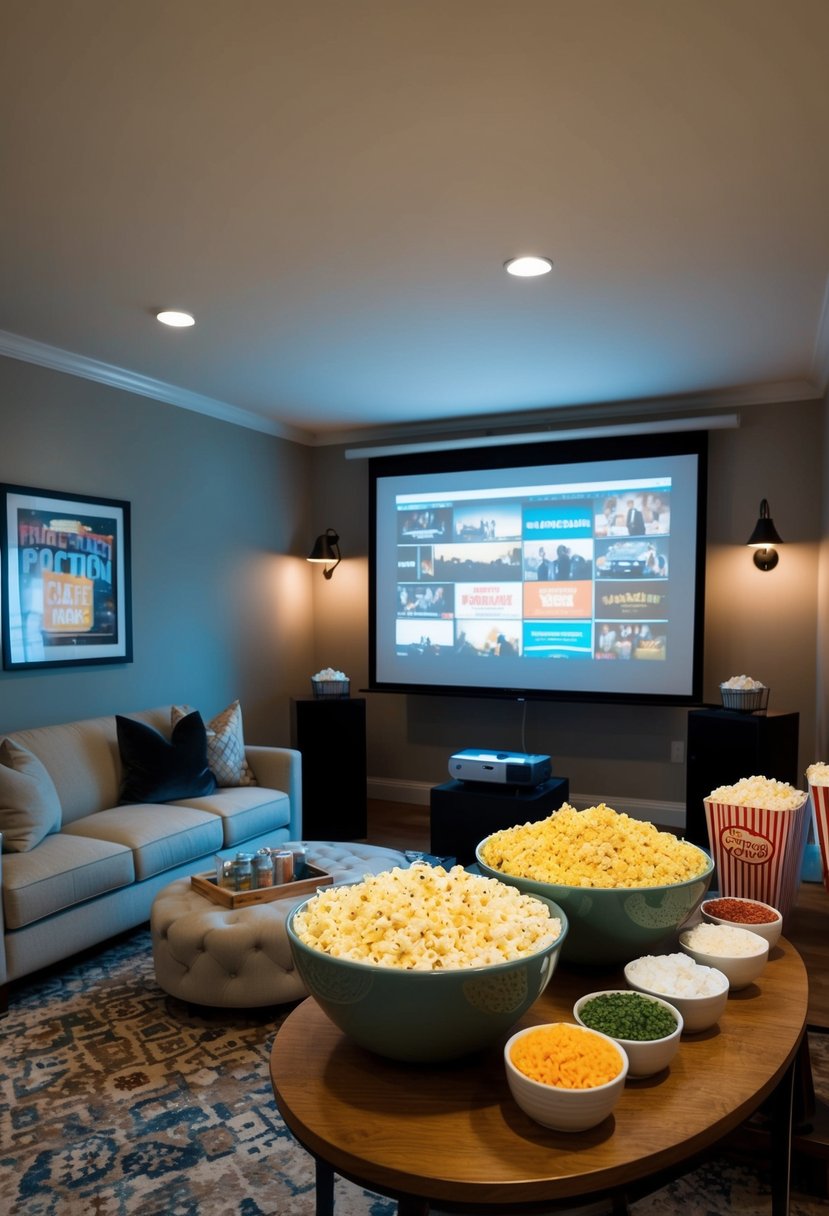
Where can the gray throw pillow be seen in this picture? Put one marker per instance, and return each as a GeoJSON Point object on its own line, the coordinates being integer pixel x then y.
{"type": "Point", "coordinates": [29, 803]}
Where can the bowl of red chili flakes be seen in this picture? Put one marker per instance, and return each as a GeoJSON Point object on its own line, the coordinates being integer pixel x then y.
{"type": "Point", "coordinates": [751, 914]}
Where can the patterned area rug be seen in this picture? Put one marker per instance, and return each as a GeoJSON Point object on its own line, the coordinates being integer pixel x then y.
{"type": "Point", "coordinates": [116, 1099]}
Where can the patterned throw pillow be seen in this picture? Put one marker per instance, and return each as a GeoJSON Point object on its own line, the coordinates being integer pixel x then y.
{"type": "Point", "coordinates": [225, 745]}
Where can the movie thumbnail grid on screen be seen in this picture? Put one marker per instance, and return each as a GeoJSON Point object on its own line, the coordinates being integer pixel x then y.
{"type": "Point", "coordinates": [575, 576]}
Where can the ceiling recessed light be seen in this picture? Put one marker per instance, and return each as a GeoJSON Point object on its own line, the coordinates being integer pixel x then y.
{"type": "Point", "coordinates": [179, 320]}
{"type": "Point", "coordinates": [528, 267]}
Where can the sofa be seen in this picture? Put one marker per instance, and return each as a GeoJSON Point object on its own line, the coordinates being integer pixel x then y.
{"type": "Point", "coordinates": [78, 864]}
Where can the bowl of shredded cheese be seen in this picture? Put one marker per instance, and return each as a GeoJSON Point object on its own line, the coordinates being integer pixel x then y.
{"type": "Point", "coordinates": [425, 964]}
{"type": "Point", "coordinates": [625, 886]}
{"type": "Point", "coordinates": [565, 1076]}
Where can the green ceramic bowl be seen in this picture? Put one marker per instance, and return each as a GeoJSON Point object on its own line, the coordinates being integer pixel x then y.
{"type": "Point", "coordinates": [615, 924]}
{"type": "Point", "coordinates": [424, 1016]}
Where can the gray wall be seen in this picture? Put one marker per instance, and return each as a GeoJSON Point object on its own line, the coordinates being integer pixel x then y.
{"type": "Point", "coordinates": [225, 605]}
{"type": "Point", "coordinates": [222, 595]}
{"type": "Point", "coordinates": [762, 624]}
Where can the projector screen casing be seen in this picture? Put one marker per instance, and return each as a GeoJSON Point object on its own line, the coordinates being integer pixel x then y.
{"type": "Point", "coordinates": [616, 617]}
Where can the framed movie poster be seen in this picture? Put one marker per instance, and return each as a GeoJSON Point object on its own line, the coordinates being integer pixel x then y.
{"type": "Point", "coordinates": [65, 578]}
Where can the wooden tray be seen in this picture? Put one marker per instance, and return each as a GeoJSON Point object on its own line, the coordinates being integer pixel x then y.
{"type": "Point", "coordinates": [206, 885]}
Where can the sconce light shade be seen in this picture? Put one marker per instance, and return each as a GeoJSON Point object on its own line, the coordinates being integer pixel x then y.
{"type": "Point", "coordinates": [763, 539]}
{"type": "Point", "coordinates": [326, 549]}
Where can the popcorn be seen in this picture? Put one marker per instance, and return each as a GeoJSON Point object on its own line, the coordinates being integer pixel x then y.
{"type": "Point", "coordinates": [597, 847]}
{"type": "Point", "coordinates": [742, 682]}
{"type": "Point", "coordinates": [764, 792]}
{"type": "Point", "coordinates": [426, 919]}
{"type": "Point", "coordinates": [818, 773]}
{"type": "Point", "coordinates": [328, 673]}
{"type": "Point", "coordinates": [757, 828]}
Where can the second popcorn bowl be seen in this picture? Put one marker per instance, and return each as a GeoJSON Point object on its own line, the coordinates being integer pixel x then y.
{"type": "Point", "coordinates": [611, 924]}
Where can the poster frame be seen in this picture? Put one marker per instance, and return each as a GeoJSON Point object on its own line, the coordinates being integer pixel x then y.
{"type": "Point", "coordinates": [25, 644]}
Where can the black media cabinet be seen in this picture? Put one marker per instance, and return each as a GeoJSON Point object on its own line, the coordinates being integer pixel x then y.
{"type": "Point", "coordinates": [462, 813]}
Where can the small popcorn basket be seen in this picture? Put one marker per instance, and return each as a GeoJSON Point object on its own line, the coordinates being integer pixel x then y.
{"type": "Point", "coordinates": [758, 852]}
{"type": "Point", "coordinates": [745, 700]}
{"type": "Point", "coordinates": [323, 689]}
{"type": "Point", "coordinates": [819, 796]}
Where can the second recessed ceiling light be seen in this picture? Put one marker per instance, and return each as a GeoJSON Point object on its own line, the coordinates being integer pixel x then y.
{"type": "Point", "coordinates": [528, 267]}
{"type": "Point", "coordinates": [178, 320]}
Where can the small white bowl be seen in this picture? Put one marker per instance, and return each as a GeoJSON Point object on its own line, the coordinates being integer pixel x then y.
{"type": "Point", "coordinates": [741, 969]}
{"type": "Point", "coordinates": [769, 929]}
{"type": "Point", "coordinates": [645, 1056]}
{"type": "Point", "coordinates": [564, 1110]}
{"type": "Point", "coordinates": [698, 1012]}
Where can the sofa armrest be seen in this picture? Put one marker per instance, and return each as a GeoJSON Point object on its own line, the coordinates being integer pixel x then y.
{"type": "Point", "coordinates": [280, 768]}
{"type": "Point", "coordinates": [3, 968]}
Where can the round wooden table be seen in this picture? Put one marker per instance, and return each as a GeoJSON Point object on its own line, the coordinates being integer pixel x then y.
{"type": "Point", "coordinates": [451, 1134]}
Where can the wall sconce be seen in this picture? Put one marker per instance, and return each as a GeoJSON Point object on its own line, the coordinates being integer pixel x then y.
{"type": "Point", "coordinates": [763, 539]}
{"type": "Point", "coordinates": [326, 549]}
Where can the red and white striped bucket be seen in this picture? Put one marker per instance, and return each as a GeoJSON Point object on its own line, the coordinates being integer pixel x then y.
{"type": "Point", "coordinates": [820, 818]}
{"type": "Point", "coordinates": [758, 852]}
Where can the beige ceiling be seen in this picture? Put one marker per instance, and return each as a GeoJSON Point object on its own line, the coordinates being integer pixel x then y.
{"type": "Point", "coordinates": [332, 187]}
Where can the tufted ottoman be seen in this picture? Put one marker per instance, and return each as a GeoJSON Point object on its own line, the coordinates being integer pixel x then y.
{"type": "Point", "coordinates": [240, 958]}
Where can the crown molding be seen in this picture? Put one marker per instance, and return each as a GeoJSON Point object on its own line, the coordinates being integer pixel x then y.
{"type": "Point", "coordinates": [40, 353]}
{"type": "Point", "coordinates": [28, 350]}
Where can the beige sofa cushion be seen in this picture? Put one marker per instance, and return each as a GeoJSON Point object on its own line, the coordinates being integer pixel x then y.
{"type": "Point", "coordinates": [160, 835]}
{"type": "Point", "coordinates": [61, 872]}
{"type": "Point", "coordinates": [245, 812]}
{"type": "Point", "coordinates": [83, 761]}
{"type": "Point", "coordinates": [29, 804]}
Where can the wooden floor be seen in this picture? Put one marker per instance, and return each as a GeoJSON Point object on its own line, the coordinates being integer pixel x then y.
{"type": "Point", "coordinates": [400, 825]}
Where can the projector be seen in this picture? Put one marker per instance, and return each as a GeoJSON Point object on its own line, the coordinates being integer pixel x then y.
{"type": "Point", "coordinates": [500, 768]}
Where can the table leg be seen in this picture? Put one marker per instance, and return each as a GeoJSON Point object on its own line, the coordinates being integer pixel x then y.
{"type": "Point", "coordinates": [408, 1205]}
{"type": "Point", "coordinates": [411, 1205]}
{"type": "Point", "coordinates": [781, 1113]}
{"type": "Point", "coordinates": [324, 1188]}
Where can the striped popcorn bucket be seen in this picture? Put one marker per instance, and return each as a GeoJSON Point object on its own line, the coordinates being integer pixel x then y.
{"type": "Point", "coordinates": [758, 852]}
{"type": "Point", "coordinates": [820, 819]}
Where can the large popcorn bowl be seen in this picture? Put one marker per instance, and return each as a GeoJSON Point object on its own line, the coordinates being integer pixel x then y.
{"type": "Point", "coordinates": [757, 846]}
{"type": "Point", "coordinates": [424, 1016]}
{"type": "Point", "coordinates": [611, 924]}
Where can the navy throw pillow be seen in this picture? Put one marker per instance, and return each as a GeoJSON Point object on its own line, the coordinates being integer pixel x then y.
{"type": "Point", "coordinates": [158, 770]}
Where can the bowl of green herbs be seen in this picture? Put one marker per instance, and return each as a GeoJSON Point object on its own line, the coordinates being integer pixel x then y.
{"type": "Point", "coordinates": [647, 1027]}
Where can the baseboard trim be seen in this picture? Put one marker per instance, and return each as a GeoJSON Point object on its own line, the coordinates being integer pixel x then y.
{"type": "Point", "coordinates": [389, 789]}
{"type": "Point", "coordinates": [666, 814]}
